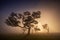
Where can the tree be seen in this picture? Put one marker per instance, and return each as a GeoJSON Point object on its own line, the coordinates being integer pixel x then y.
{"type": "Point", "coordinates": [45, 26]}
{"type": "Point", "coordinates": [27, 20]}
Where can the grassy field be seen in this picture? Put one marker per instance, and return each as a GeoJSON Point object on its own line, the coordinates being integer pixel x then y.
{"type": "Point", "coordinates": [51, 36]}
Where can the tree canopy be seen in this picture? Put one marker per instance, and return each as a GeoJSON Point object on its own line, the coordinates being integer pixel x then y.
{"type": "Point", "coordinates": [27, 19]}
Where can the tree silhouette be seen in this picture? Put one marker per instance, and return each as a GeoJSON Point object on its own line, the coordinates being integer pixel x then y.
{"type": "Point", "coordinates": [45, 26]}
{"type": "Point", "coordinates": [27, 20]}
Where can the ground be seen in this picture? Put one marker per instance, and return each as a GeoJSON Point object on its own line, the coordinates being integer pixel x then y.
{"type": "Point", "coordinates": [50, 36]}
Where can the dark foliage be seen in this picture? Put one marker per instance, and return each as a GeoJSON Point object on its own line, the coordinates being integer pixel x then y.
{"type": "Point", "coordinates": [36, 14]}
{"type": "Point", "coordinates": [27, 13]}
{"type": "Point", "coordinates": [20, 16]}
{"type": "Point", "coordinates": [13, 14]}
{"type": "Point", "coordinates": [12, 21]}
{"type": "Point", "coordinates": [26, 21]}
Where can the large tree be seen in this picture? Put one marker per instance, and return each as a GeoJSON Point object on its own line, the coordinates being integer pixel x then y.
{"type": "Point", "coordinates": [27, 19]}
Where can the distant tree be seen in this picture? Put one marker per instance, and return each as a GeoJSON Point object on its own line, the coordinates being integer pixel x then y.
{"type": "Point", "coordinates": [45, 26]}
{"type": "Point", "coordinates": [27, 20]}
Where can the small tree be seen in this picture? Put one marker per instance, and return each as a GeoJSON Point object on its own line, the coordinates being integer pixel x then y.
{"type": "Point", "coordinates": [45, 26]}
{"type": "Point", "coordinates": [27, 18]}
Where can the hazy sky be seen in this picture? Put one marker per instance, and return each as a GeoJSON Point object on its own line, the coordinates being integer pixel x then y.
{"type": "Point", "coordinates": [50, 13]}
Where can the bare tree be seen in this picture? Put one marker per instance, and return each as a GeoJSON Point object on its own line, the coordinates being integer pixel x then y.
{"type": "Point", "coordinates": [27, 19]}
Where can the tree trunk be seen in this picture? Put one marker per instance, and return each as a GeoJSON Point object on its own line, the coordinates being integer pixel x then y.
{"type": "Point", "coordinates": [48, 30]}
{"type": "Point", "coordinates": [29, 31]}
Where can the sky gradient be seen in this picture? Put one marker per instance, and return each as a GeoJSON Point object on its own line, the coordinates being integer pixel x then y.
{"type": "Point", "coordinates": [50, 13]}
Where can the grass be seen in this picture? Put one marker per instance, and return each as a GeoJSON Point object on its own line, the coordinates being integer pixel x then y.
{"type": "Point", "coordinates": [51, 36]}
